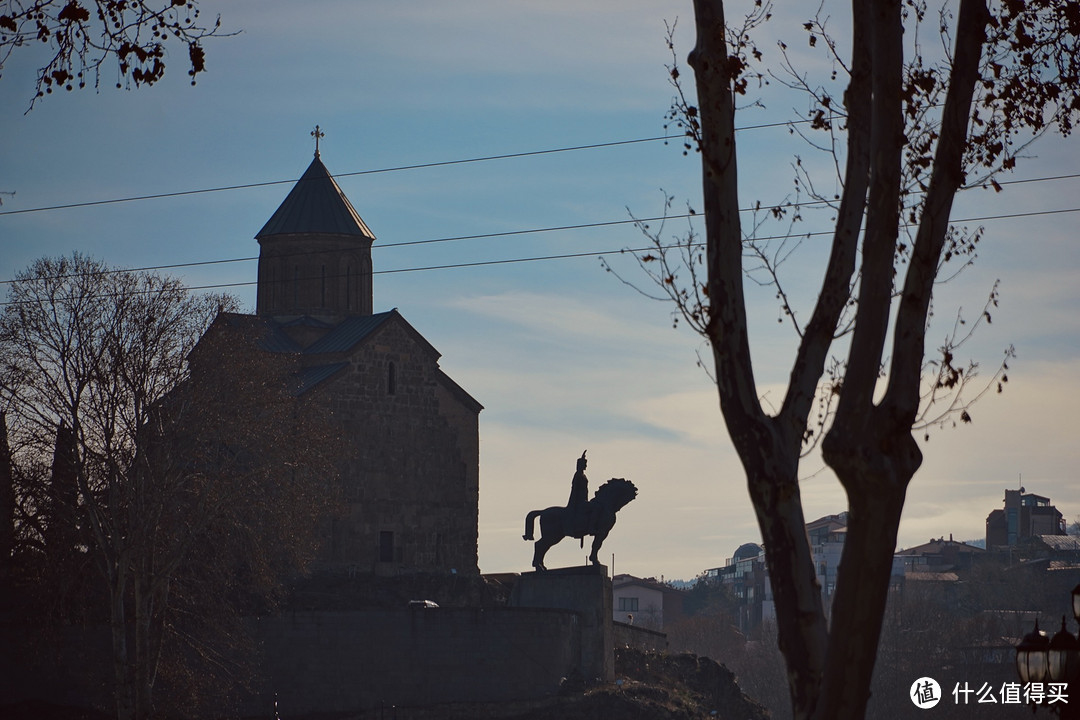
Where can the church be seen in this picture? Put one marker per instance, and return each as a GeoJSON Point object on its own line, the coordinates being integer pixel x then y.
{"type": "Point", "coordinates": [410, 471]}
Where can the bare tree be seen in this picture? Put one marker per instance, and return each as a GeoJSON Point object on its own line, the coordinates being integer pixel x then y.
{"type": "Point", "coordinates": [198, 483]}
{"type": "Point", "coordinates": [7, 503]}
{"type": "Point", "coordinates": [907, 135]}
{"type": "Point", "coordinates": [83, 38]}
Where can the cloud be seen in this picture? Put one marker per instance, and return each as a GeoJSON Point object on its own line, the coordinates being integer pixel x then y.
{"type": "Point", "coordinates": [571, 318]}
{"type": "Point", "coordinates": [691, 498]}
{"type": "Point", "coordinates": [487, 53]}
{"type": "Point", "coordinates": [569, 372]}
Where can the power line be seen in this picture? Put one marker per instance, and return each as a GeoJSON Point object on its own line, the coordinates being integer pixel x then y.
{"type": "Point", "coordinates": [450, 266]}
{"type": "Point", "coordinates": [417, 166]}
{"type": "Point", "coordinates": [505, 233]}
{"type": "Point", "coordinates": [583, 226]}
{"type": "Point", "coordinates": [479, 263]}
{"type": "Point", "coordinates": [555, 228]}
{"type": "Point", "coordinates": [482, 263]}
{"type": "Point", "coordinates": [597, 253]}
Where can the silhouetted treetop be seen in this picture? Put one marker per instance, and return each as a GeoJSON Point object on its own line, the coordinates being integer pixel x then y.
{"type": "Point", "coordinates": [83, 37]}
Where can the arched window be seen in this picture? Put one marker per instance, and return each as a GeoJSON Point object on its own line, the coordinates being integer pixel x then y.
{"type": "Point", "coordinates": [282, 294]}
{"type": "Point", "coordinates": [386, 546]}
{"type": "Point", "coordinates": [363, 285]}
{"type": "Point", "coordinates": [348, 287]}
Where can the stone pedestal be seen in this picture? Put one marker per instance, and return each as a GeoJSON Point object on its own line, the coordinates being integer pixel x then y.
{"type": "Point", "coordinates": [587, 591]}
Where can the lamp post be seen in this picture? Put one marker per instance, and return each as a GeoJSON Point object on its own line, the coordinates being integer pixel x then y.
{"type": "Point", "coordinates": [1053, 660]}
{"type": "Point", "coordinates": [1032, 662]}
{"type": "Point", "coordinates": [1062, 654]}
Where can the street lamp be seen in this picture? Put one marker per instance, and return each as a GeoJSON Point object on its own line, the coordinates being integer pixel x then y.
{"type": "Point", "coordinates": [1063, 654]}
{"type": "Point", "coordinates": [1031, 656]}
{"type": "Point", "coordinates": [1040, 659]}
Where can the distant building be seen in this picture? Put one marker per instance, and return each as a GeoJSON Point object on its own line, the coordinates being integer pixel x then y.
{"type": "Point", "coordinates": [1060, 551]}
{"type": "Point", "coordinates": [1023, 516]}
{"type": "Point", "coordinates": [940, 556]}
{"type": "Point", "coordinates": [929, 571]}
{"type": "Point", "coordinates": [739, 570]}
{"type": "Point", "coordinates": [645, 602]}
{"type": "Point", "coordinates": [746, 574]}
{"type": "Point", "coordinates": [827, 535]}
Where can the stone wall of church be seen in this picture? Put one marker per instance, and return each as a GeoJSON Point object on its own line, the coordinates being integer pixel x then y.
{"type": "Point", "coordinates": [411, 471]}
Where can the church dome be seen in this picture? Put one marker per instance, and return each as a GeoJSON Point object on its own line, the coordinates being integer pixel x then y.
{"type": "Point", "coordinates": [745, 552]}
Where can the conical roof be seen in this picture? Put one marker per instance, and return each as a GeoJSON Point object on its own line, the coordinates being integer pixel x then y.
{"type": "Point", "coordinates": [316, 205]}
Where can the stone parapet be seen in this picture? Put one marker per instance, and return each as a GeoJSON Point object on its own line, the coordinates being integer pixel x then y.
{"type": "Point", "coordinates": [585, 590]}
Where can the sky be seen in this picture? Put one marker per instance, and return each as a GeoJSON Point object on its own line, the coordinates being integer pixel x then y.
{"type": "Point", "coordinates": [563, 355]}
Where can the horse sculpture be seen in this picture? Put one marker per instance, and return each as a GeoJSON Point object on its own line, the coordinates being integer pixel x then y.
{"type": "Point", "coordinates": [555, 522]}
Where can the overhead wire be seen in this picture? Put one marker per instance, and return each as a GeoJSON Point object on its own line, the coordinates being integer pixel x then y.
{"type": "Point", "coordinates": [417, 166]}
{"type": "Point", "coordinates": [531, 153]}
{"type": "Point", "coordinates": [603, 223]}
{"type": "Point", "coordinates": [396, 168]}
{"type": "Point", "coordinates": [481, 263]}
{"type": "Point", "coordinates": [592, 253]}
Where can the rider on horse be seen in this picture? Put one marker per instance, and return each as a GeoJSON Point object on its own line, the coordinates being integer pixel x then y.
{"type": "Point", "coordinates": [578, 506]}
{"type": "Point", "coordinates": [581, 516]}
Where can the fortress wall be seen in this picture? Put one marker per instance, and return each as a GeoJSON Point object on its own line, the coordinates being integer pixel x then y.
{"type": "Point", "coordinates": [639, 638]}
{"type": "Point", "coordinates": [337, 662]}
{"type": "Point", "coordinates": [326, 662]}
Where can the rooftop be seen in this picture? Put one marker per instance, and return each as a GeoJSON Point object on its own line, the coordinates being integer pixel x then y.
{"type": "Point", "coordinates": [316, 205]}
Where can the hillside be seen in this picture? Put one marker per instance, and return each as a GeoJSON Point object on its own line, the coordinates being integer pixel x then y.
{"type": "Point", "coordinates": [650, 686]}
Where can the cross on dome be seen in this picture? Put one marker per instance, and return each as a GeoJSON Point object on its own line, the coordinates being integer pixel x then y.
{"type": "Point", "coordinates": [316, 133]}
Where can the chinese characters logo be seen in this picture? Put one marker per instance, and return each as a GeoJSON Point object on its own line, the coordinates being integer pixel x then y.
{"type": "Point", "coordinates": [925, 693]}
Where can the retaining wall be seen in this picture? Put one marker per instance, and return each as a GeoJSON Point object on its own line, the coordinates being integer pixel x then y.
{"type": "Point", "coordinates": [559, 625]}
{"type": "Point", "coordinates": [639, 638]}
{"type": "Point", "coordinates": [334, 662]}
{"type": "Point", "coordinates": [327, 662]}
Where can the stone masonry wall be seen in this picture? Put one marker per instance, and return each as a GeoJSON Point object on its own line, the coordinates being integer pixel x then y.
{"type": "Point", "coordinates": [339, 662]}
{"type": "Point", "coordinates": [411, 477]}
{"type": "Point", "coordinates": [639, 638]}
{"type": "Point", "coordinates": [336, 662]}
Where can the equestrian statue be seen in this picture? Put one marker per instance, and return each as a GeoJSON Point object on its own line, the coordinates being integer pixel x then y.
{"type": "Point", "coordinates": [581, 516]}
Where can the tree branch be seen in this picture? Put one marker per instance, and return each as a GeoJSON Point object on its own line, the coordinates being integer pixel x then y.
{"type": "Point", "coordinates": [835, 289]}
{"type": "Point", "coordinates": [948, 176]}
{"type": "Point", "coordinates": [727, 327]}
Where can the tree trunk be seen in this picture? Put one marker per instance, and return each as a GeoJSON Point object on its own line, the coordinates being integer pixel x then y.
{"type": "Point", "coordinates": [143, 644]}
{"type": "Point", "coordinates": [800, 614]}
{"type": "Point", "coordinates": [870, 446]}
{"type": "Point", "coordinates": [7, 502]}
{"type": "Point", "coordinates": [151, 597]}
{"type": "Point", "coordinates": [767, 447]}
{"type": "Point", "coordinates": [122, 665]}
{"type": "Point", "coordinates": [875, 470]}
